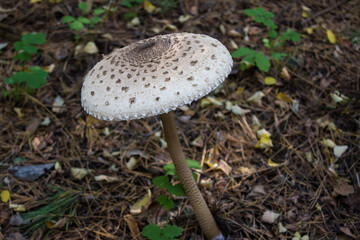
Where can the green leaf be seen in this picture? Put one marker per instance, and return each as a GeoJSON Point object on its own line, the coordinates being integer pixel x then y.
{"type": "Point", "coordinates": [30, 49]}
{"type": "Point", "coordinates": [83, 7]}
{"type": "Point", "coordinates": [166, 202]}
{"type": "Point", "coordinates": [130, 15]}
{"type": "Point", "coordinates": [278, 56]}
{"type": "Point", "coordinates": [18, 77]}
{"type": "Point", "coordinates": [99, 11]}
{"type": "Point", "coordinates": [266, 42]}
{"type": "Point", "coordinates": [84, 20]}
{"type": "Point", "coordinates": [250, 12]}
{"type": "Point", "coordinates": [152, 232]}
{"type": "Point", "coordinates": [33, 38]}
{"type": "Point", "coordinates": [9, 80]}
{"type": "Point", "coordinates": [95, 20]}
{"type": "Point", "coordinates": [272, 33]}
{"type": "Point", "coordinates": [250, 58]}
{"type": "Point", "coordinates": [7, 93]}
{"type": "Point", "coordinates": [262, 62]}
{"type": "Point", "coordinates": [23, 56]}
{"type": "Point", "coordinates": [259, 19]}
{"type": "Point", "coordinates": [161, 181]}
{"type": "Point", "coordinates": [18, 46]}
{"type": "Point", "coordinates": [170, 168]}
{"type": "Point", "coordinates": [193, 164]}
{"type": "Point", "coordinates": [171, 231]}
{"type": "Point", "coordinates": [242, 51]}
{"type": "Point", "coordinates": [270, 24]}
{"type": "Point", "coordinates": [76, 25]}
{"type": "Point", "coordinates": [67, 19]}
{"type": "Point", "coordinates": [243, 66]}
{"type": "Point", "coordinates": [259, 14]}
{"type": "Point", "coordinates": [177, 189]}
{"type": "Point", "coordinates": [126, 3]}
{"type": "Point", "coordinates": [36, 77]}
{"type": "Point", "coordinates": [291, 35]}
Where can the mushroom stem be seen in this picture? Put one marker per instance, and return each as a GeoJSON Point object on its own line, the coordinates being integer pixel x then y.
{"type": "Point", "coordinates": [197, 202]}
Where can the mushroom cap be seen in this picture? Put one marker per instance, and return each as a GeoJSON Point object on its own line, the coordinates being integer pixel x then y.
{"type": "Point", "coordinates": [154, 76]}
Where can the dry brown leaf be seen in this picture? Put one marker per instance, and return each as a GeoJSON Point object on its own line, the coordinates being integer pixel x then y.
{"type": "Point", "coordinates": [59, 224]}
{"type": "Point", "coordinates": [258, 190]}
{"type": "Point", "coordinates": [347, 231]}
{"type": "Point", "coordinates": [343, 188]}
{"type": "Point", "coordinates": [225, 167]}
{"type": "Point", "coordinates": [133, 226]}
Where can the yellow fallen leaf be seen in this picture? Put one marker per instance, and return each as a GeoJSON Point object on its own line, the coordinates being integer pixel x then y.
{"type": "Point", "coordinates": [309, 30]}
{"type": "Point", "coordinates": [283, 97]}
{"type": "Point", "coordinates": [5, 195]}
{"type": "Point", "coordinates": [131, 164]}
{"type": "Point", "coordinates": [328, 143]}
{"type": "Point", "coordinates": [261, 132]}
{"type": "Point", "coordinates": [264, 142]}
{"type": "Point", "coordinates": [318, 206]}
{"type": "Point", "coordinates": [205, 102]}
{"type": "Point", "coordinates": [17, 207]}
{"type": "Point", "coordinates": [148, 6]}
{"type": "Point", "coordinates": [90, 48]}
{"type": "Point", "coordinates": [19, 112]}
{"type": "Point", "coordinates": [256, 98]}
{"type": "Point", "coordinates": [79, 173]}
{"type": "Point", "coordinates": [35, 1]}
{"type": "Point", "coordinates": [104, 178]}
{"type": "Point", "coordinates": [144, 202]}
{"type": "Point", "coordinates": [239, 91]}
{"type": "Point", "coordinates": [331, 36]}
{"type": "Point", "coordinates": [285, 73]}
{"type": "Point", "coordinates": [211, 160]}
{"type": "Point", "coordinates": [49, 224]}
{"type": "Point", "coordinates": [183, 18]}
{"type": "Point", "coordinates": [269, 81]}
{"type": "Point", "coordinates": [207, 183]}
{"type": "Point", "coordinates": [304, 14]}
{"type": "Point", "coordinates": [49, 68]}
{"type": "Point", "coordinates": [273, 164]}
{"type": "Point", "coordinates": [282, 229]}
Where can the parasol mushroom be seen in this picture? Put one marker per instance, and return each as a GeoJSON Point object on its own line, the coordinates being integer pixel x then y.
{"type": "Point", "coordinates": [153, 77]}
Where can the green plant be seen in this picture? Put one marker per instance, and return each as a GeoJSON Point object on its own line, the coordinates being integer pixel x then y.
{"type": "Point", "coordinates": [58, 208]}
{"type": "Point", "coordinates": [133, 6]}
{"type": "Point", "coordinates": [166, 5]}
{"type": "Point", "coordinates": [32, 77]}
{"type": "Point", "coordinates": [78, 24]}
{"type": "Point", "coordinates": [169, 232]}
{"type": "Point", "coordinates": [274, 42]}
{"type": "Point", "coordinates": [132, 3]}
{"type": "Point", "coordinates": [26, 47]}
{"type": "Point", "coordinates": [155, 232]}
{"type": "Point", "coordinates": [164, 181]}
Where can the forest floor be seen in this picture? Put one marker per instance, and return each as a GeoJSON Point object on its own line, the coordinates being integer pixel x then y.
{"type": "Point", "coordinates": [304, 185]}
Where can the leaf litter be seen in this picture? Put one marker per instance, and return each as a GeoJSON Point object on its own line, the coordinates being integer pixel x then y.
{"type": "Point", "coordinates": [313, 186]}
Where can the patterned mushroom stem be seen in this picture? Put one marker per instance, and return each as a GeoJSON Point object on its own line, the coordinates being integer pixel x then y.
{"type": "Point", "coordinates": [197, 201]}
